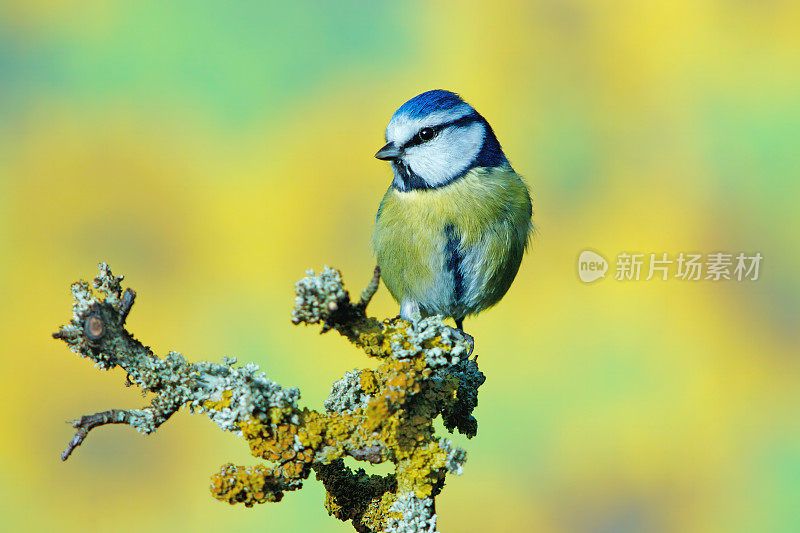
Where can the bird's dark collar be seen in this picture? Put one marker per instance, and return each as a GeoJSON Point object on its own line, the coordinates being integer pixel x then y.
{"type": "Point", "coordinates": [407, 180]}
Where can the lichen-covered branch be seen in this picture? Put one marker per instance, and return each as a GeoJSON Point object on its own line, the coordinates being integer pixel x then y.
{"type": "Point", "coordinates": [372, 415]}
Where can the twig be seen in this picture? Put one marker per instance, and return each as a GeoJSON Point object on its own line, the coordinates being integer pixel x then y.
{"type": "Point", "coordinates": [88, 422]}
{"type": "Point", "coordinates": [371, 288]}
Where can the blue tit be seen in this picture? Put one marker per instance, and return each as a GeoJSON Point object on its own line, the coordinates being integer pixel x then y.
{"type": "Point", "coordinates": [453, 226]}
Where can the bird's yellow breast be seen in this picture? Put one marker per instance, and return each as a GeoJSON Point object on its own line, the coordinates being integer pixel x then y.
{"type": "Point", "coordinates": [489, 210]}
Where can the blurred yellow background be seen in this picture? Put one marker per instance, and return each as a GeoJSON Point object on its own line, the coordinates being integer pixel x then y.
{"type": "Point", "coordinates": [212, 153]}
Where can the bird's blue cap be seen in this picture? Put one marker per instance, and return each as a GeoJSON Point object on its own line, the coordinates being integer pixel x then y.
{"type": "Point", "coordinates": [429, 102]}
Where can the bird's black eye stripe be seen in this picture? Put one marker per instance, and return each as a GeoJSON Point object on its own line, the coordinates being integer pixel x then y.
{"type": "Point", "coordinates": [429, 132]}
{"type": "Point", "coordinates": [423, 135]}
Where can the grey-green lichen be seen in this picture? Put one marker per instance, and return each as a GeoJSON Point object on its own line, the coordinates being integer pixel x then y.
{"type": "Point", "coordinates": [317, 297]}
{"type": "Point", "coordinates": [347, 394]}
{"type": "Point", "coordinates": [456, 457]}
{"type": "Point", "coordinates": [374, 415]}
{"type": "Point", "coordinates": [409, 514]}
{"type": "Point", "coordinates": [231, 395]}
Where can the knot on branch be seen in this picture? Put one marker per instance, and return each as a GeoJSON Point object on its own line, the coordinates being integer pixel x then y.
{"type": "Point", "coordinates": [98, 319]}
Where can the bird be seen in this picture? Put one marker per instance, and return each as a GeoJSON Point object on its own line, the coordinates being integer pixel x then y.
{"type": "Point", "coordinates": [455, 222]}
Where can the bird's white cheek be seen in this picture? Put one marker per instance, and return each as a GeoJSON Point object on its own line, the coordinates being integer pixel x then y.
{"type": "Point", "coordinates": [446, 156]}
{"type": "Point", "coordinates": [430, 164]}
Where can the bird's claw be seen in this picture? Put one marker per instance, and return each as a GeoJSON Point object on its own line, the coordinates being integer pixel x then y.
{"type": "Point", "coordinates": [467, 337]}
{"type": "Point", "coordinates": [471, 341]}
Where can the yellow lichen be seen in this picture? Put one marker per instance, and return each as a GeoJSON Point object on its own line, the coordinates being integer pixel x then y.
{"type": "Point", "coordinates": [218, 405]}
{"type": "Point", "coordinates": [247, 485]}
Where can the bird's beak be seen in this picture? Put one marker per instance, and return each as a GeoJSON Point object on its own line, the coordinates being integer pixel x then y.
{"type": "Point", "coordinates": [388, 152]}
